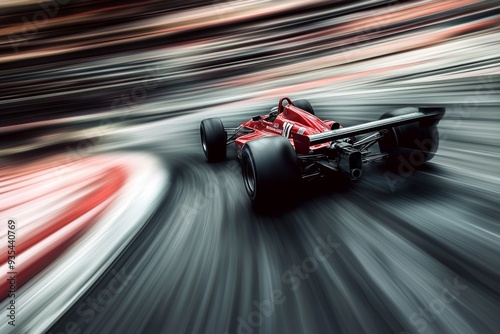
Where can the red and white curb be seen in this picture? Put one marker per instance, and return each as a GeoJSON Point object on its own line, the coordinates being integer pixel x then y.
{"type": "Point", "coordinates": [72, 220]}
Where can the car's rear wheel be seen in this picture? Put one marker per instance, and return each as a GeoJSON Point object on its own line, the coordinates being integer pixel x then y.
{"type": "Point", "coordinates": [304, 105]}
{"type": "Point", "coordinates": [270, 170]}
{"type": "Point", "coordinates": [414, 142]}
{"type": "Point", "coordinates": [213, 139]}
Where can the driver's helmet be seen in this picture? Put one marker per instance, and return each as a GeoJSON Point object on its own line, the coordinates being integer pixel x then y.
{"type": "Point", "coordinates": [274, 111]}
{"type": "Point", "coordinates": [272, 114]}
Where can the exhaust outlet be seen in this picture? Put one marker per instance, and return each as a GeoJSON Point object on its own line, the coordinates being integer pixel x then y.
{"type": "Point", "coordinates": [356, 173]}
{"type": "Point", "coordinates": [351, 164]}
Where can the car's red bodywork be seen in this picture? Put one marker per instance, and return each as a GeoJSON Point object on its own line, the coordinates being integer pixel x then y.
{"type": "Point", "coordinates": [291, 120]}
{"type": "Point", "coordinates": [291, 144]}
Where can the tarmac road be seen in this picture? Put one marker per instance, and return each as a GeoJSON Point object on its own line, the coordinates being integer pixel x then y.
{"type": "Point", "coordinates": [376, 256]}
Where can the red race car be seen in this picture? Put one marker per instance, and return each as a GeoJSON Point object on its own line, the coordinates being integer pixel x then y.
{"type": "Point", "coordinates": [291, 143]}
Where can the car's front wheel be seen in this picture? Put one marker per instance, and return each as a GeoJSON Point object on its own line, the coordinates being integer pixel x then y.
{"type": "Point", "coordinates": [304, 105]}
{"type": "Point", "coordinates": [270, 170]}
{"type": "Point", "coordinates": [213, 139]}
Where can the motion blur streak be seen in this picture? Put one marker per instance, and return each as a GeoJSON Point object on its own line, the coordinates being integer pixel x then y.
{"type": "Point", "coordinates": [70, 225]}
{"type": "Point", "coordinates": [55, 209]}
{"type": "Point", "coordinates": [113, 92]}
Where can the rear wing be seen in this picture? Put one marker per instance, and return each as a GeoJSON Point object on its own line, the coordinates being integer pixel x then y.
{"type": "Point", "coordinates": [427, 116]}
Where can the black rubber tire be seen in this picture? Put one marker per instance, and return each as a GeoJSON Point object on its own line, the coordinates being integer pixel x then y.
{"type": "Point", "coordinates": [304, 105]}
{"type": "Point", "coordinates": [270, 170]}
{"type": "Point", "coordinates": [213, 139]}
{"type": "Point", "coordinates": [415, 142]}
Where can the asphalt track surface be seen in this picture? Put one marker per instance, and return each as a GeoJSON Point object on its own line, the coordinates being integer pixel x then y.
{"type": "Point", "coordinates": [414, 250]}
{"type": "Point", "coordinates": [419, 257]}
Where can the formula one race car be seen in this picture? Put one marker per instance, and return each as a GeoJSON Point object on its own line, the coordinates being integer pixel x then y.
{"type": "Point", "coordinates": [290, 143]}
